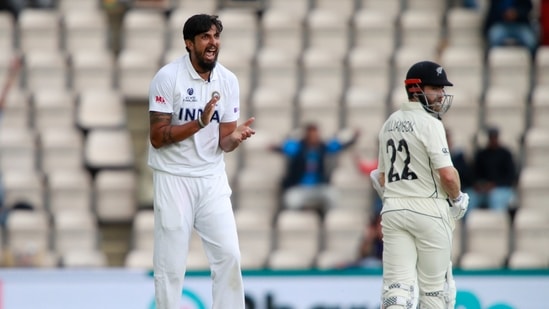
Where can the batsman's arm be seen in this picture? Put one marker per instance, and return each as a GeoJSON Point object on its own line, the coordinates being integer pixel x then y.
{"type": "Point", "coordinates": [163, 133]}
{"type": "Point", "coordinates": [377, 179]}
{"type": "Point", "coordinates": [381, 179]}
{"type": "Point", "coordinates": [449, 178]}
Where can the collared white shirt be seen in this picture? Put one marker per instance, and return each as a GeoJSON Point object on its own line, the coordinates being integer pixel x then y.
{"type": "Point", "coordinates": [179, 90]}
{"type": "Point", "coordinates": [412, 146]}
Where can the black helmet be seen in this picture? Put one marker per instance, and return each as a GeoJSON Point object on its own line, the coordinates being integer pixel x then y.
{"type": "Point", "coordinates": [432, 74]}
{"type": "Point", "coordinates": [427, 73]}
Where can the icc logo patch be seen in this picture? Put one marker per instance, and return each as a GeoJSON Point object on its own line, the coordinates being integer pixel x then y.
{"type": "Point", "coordinates": [190, 91]}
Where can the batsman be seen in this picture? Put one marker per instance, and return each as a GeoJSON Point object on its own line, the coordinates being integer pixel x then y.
{"type": "Point", "coordinates": [421, 195]}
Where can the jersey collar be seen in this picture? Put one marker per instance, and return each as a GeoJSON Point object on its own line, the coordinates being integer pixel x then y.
{"type": "Point", "coordinates": [411, 106]}
{"type": "Point", "coordinates": [192, 71]}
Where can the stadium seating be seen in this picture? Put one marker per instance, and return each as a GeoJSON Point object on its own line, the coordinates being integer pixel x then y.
{"type": "Point", "coordinates": [465, 68]}
{"type": "Point", "coordinates": [40, 31]}
{"type": "Point", "coordinates": [510, 67]}
{"type": "Point", "coordinates": [343, 8]}
{"type": "Point", "coordinates": [18, 149]}
{"type": "Point", "coordinates": [115, 195]}
{"type": "Point", "coordinates": [297, 235]}
{"type": "Point", "coordinates": [92, 70]}
{"type": "Point", "coordinates": [343, 231]}
{"type": "Point", "coordinates": [61, 149]}
{"type": "Point", "coordinates": [354, 189]}
{"type": "Point", "coordinates": [316, 104]}
{"type": "Point", "coordinates": [255, 234]}
{"type": "Point", "coordinates": [28, 238]}
{"type": "Point", "coordinates": [279, 29]}
{"type": "Point", "coordinates": [144, 30]}
{"type": "Point", "coordinates": [77, 5]}
{"type": "Point", "coordinates": [488, 234]}
{"type": "Point", "coordinates": [531, 235]}
{"type": "Point", "coordinates": [540, 107]}
{"type": "Point", "coordinates": [327, 30]}
{"type": "Point", "coordinates": [46, 70]}
{"type": "Point", "coordinates": [298, 8]}
{"type": "Point", "coordinates": [421, 28]}
{"type": "Point", "coordinates": [375, 28]}
{"type": "Point", "coordinates": [536, 148]}
{"type": "Point", "coordinates": [69, 140]}
{"type": "Point", "coordinates": [17, 111]}
{"type": "Point", "coordinates": [75, 231]}
{"type": "Point", "coordinates": [85, 30]}
{"type": "Point", "coordinates": [84, 259]}
{"type": "Point", "coordinates": [53, 108]}
{"type": "Point", "coordinates": [69, 190]}
{"type": "Point", "coordinates": [134, 71]}
{"type": "Point", "coordinates": [101, 110]}
{"type": "Point", "coordinates": [23, 186]}
{"type": "Point", "coordinates": [273, 110]}
{"type": "Point", "coordinates": [7, 30]}
{"type": "Point", "coordinates": [463, 27]}
{"type": "Point", "coordinates": [533, 188]}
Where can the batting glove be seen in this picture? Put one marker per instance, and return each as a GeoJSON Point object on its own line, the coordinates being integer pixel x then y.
{"type": "Point", "coordinates": [374, 176]}
{"type": "Point", "coordinates": [459, 205]}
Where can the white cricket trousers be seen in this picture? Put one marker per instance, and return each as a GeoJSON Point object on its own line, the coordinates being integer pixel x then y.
{"type": "Point", "coordinates": [184, 203]}
{"type": "Point", "coordinates": [417, 244]}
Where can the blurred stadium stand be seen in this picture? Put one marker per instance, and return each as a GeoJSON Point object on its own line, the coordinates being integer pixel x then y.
{"type": "Point", "coordinates": [73, 140]}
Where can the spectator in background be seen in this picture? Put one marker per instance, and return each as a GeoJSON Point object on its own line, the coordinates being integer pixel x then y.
{"type": "Point", "coordinates": [510, 22]}
{"type": "Point", "coordinates": [495, 175]}
{"type": "Point", "coordinates": [306, 183]}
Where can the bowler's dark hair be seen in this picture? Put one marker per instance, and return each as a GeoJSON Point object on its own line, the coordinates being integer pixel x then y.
{"type": "Point", "coordinates": [200, 23]}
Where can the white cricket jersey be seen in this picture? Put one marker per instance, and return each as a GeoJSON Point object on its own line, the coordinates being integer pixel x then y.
{"type": "Point", "coordinates": [412, 146]}
{"type": "Point", "coordinates": [179, 90]}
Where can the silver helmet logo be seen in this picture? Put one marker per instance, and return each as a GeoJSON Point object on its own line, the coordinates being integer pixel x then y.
{"type": "Point", "coordinates": [439, 71]}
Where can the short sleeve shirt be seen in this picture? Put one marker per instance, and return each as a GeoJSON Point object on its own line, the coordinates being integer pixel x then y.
{"type": "Point", "coordinates": [177, 89]}
{"type": "Point", "coordinates": [412, 146]}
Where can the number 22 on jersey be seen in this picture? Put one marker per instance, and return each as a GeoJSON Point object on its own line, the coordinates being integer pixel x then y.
{"type": "Point", "coordinates": [405, 173]}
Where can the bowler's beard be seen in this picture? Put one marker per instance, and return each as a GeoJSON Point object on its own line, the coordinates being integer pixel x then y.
{"type": "Point", "coordinates": [206, 66]}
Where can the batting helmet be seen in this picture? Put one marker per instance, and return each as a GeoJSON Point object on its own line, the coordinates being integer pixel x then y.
{"type": "Point", "coordinates": [426, 73]}
{"type": "Point", "coordinates": [432, 74]}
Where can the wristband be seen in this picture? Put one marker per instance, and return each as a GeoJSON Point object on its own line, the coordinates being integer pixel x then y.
{"type": "Point", "coordinates": [458, 198]}
{"type": "Point", "coordinates": [200, 123]}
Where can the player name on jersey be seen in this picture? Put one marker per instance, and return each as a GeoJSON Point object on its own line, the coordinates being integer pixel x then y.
{"type": "Point", "coordinates": [400, 126]}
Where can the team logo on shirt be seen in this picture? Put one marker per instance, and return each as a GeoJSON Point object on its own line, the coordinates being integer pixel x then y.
{"type": "Point", "coordinates": [445, 150]}
{"type": "Point", "coordinates": [190, 91]}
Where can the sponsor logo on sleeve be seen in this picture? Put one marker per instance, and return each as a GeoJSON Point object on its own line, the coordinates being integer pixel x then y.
{"type": "Point", "coordinates": [159, 99]}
